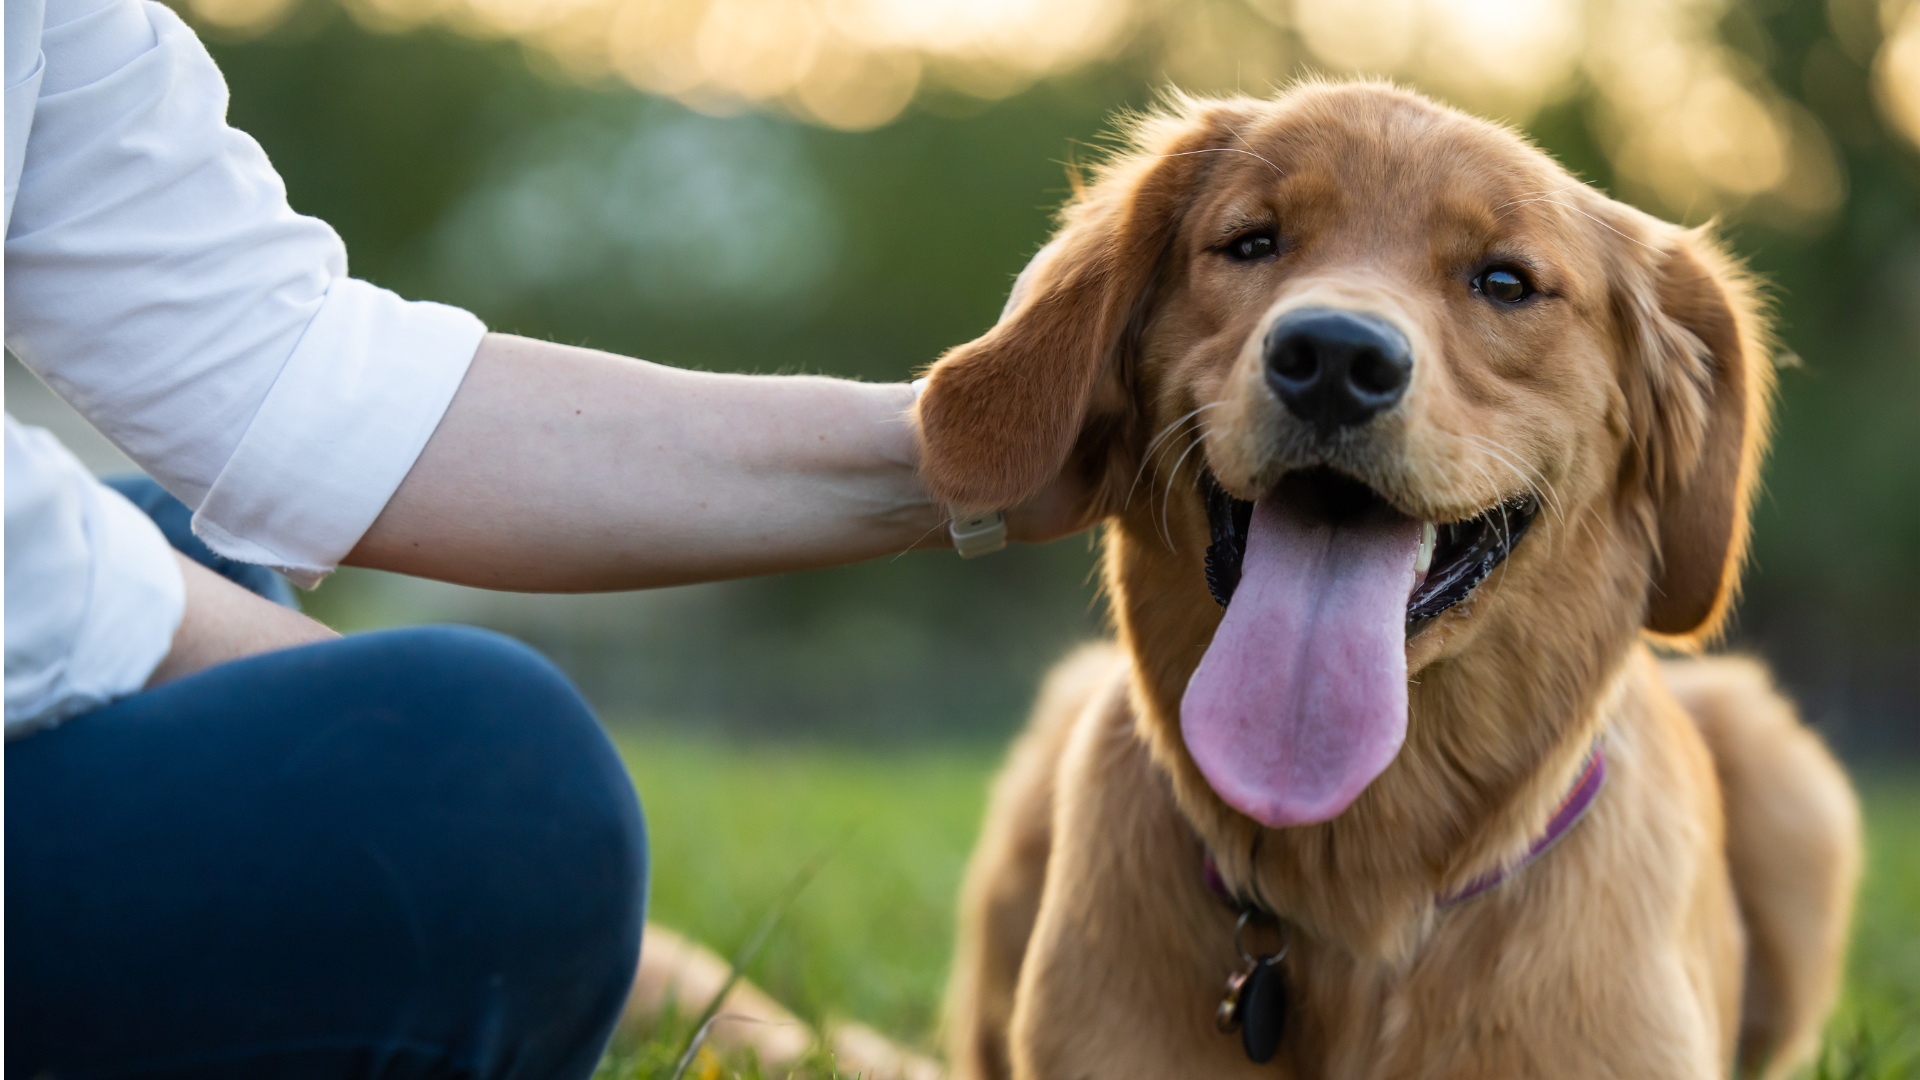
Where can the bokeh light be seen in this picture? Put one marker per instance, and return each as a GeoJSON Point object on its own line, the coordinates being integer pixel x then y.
{"type": "Point", "coordinates": [1689, 124]}
{"type": "Point", "coordinates": [1897, 68]}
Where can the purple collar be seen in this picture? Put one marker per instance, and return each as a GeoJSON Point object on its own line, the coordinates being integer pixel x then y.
{"type": "Point", "coordinates": [1578, 800]}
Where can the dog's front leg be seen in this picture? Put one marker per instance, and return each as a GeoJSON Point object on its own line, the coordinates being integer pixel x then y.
{"type": "Point", "coordinates": [1131, 953]}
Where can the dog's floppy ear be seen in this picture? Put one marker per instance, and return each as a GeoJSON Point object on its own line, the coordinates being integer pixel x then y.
{"type": "Point", "coordinates": [1001, 414]}
{"type": "Point", "coordinates": [1702, 389]}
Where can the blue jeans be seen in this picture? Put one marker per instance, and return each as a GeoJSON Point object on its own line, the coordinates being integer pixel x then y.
{"type": "Point", "coordinates": [403, 854]}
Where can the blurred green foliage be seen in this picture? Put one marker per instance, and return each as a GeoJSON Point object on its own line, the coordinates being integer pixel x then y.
{"type": "Point", "coordinates": [457, 171]}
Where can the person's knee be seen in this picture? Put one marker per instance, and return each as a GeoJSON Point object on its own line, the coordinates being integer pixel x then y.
{"type": "Point", "coordinates": [528, 755]}
{"type": "Point", "coordinates": [498, 727]}
{"type": "Point", "coordinates": [514, 711]}
{"type": "Point", "coordinates": [484, 689]}
{"type": "Point", "coordinates": [484, 674]}
{"type": "Point", "coordinates": [503, 701]}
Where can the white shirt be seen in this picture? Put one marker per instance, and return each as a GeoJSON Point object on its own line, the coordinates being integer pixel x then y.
{"type": "Point", "coordinates": [93, 592]}
{"type": "Point", "coordinates": [158, 281]}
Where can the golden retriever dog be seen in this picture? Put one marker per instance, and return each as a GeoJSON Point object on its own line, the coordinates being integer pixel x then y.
{"type": "Point", "coordinates": [1407, 445]}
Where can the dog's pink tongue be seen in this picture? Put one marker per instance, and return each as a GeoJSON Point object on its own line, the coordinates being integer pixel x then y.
{"type": "Point", "coordinates": [1301, 700]}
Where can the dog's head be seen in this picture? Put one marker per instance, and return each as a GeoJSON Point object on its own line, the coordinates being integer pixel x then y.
{"type": "Point", "coordinates": [1405, 398]}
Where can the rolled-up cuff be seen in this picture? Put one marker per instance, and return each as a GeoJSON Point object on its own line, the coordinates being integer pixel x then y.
{"type": "Point", "coordinates": [344, 422]}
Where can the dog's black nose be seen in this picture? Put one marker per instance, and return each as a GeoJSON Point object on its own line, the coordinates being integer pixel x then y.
{"type": "Point", "coordinates": [1337, 369]}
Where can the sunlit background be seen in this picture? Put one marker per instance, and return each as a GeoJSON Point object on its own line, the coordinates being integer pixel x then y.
{"type": "Point", "coordinates": [1684, 97]}
{"type": "Point", "coordinates": [847, 186]}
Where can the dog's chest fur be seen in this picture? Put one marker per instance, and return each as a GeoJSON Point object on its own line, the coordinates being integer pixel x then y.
{"type": "Point", "coordinates": [1132, 944]}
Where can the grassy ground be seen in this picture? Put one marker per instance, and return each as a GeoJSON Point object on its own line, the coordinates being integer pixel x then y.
{"type": "Point", "coordinates": [869, 937]}
{"type": "Point", "coordinates": [1876, 1032]}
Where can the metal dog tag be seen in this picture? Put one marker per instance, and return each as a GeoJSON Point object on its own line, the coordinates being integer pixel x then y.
{"type": "Point", "coordinates": [1263, 1011]}
{"type": "Point", "coordinates": [1227, 1016]}
{"type": "Point", "coordinates": [1255, 1003]}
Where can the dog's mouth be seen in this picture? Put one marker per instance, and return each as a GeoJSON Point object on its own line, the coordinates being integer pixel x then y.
{"type": "Point", "coordinates": [1454, 557]}
{"type": "Point", "coordinates": [1301, 699]}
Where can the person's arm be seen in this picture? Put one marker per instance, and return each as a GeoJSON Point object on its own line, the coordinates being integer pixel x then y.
{"type": "Point", "coordinates": [158, 280]}
{"type": "Point", "coordinates": [222, 621]}
{"type": "Point", "coordinates": [559, 469]}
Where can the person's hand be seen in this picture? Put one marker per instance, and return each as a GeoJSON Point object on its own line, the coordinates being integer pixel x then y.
{"type": "Point", "coordinates": [1060, 509]}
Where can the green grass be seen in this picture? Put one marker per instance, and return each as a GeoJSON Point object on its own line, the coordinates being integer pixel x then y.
{"type": "Point", "coordinates": [869, 937]}
{"type": "Point", "coordinates": [1875, 1033]}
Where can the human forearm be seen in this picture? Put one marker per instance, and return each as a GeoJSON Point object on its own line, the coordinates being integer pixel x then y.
{"type": "Point", "coordinates": [563, 469]}
{"type": "Point", "coordinates": [222, 621]}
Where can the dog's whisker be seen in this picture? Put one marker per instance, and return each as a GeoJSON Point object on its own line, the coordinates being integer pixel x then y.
{"type": "Point", "coordinates": [1168, 431]}
{"type": "Point", "coordinates": [1493, 486]}
{"type": "Point", "coordinates": [1146, 458]}
{"type": "Point", "coordinates": [1537, 196]}
{"type": "Point", "coordinates": [1220, 150]}
{"type": "Point", "coordinates": [1243, 141]}
{"type": "Point", "coordinates": [1165, 530]}
{"type": "Point", "coordinates": [1550, 496]}
{"type": "Point", "coordinates": [1547, 493]}
{"type": "Point", "coordinates": [1198, 439]}
{"type": "Point", "coordinates": [1605, 225]}
{"type": "Point", "coordinates": [1545, 490]}
{"type": "Point", "coordinates": [1500, 453]}
{"type": "Point", "coordinates": [1519, 467]}
{"type": "Point", "coordinates": [1152, 450]}
{"type": "Point", "coordinates": [1587, 527]}
{"type": "Point", "coordinates": [916, 544]}
{"type": "Point", "coordinates": [1506, 543]}
{"type": "Point", "coordinates": [1506, 526]}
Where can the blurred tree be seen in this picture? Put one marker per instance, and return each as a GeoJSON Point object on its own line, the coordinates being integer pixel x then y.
{"type": "Point", "coordinates": [1837, 551]}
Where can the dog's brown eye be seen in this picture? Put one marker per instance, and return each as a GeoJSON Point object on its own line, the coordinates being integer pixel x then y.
{"type": "Point", "coordinates": [1253, 246]}
{"type": "Point", "coordinates": [1507, 284]}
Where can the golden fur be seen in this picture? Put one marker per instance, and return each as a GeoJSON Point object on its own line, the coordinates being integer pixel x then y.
{"type": "Point", "coordinates": [1718, 862]}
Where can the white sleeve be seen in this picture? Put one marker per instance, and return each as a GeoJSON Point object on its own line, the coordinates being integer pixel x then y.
{"type": "Point", "coordinates": [93, 591]}
{"type": "Point", "coordinates": [157, 279]}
